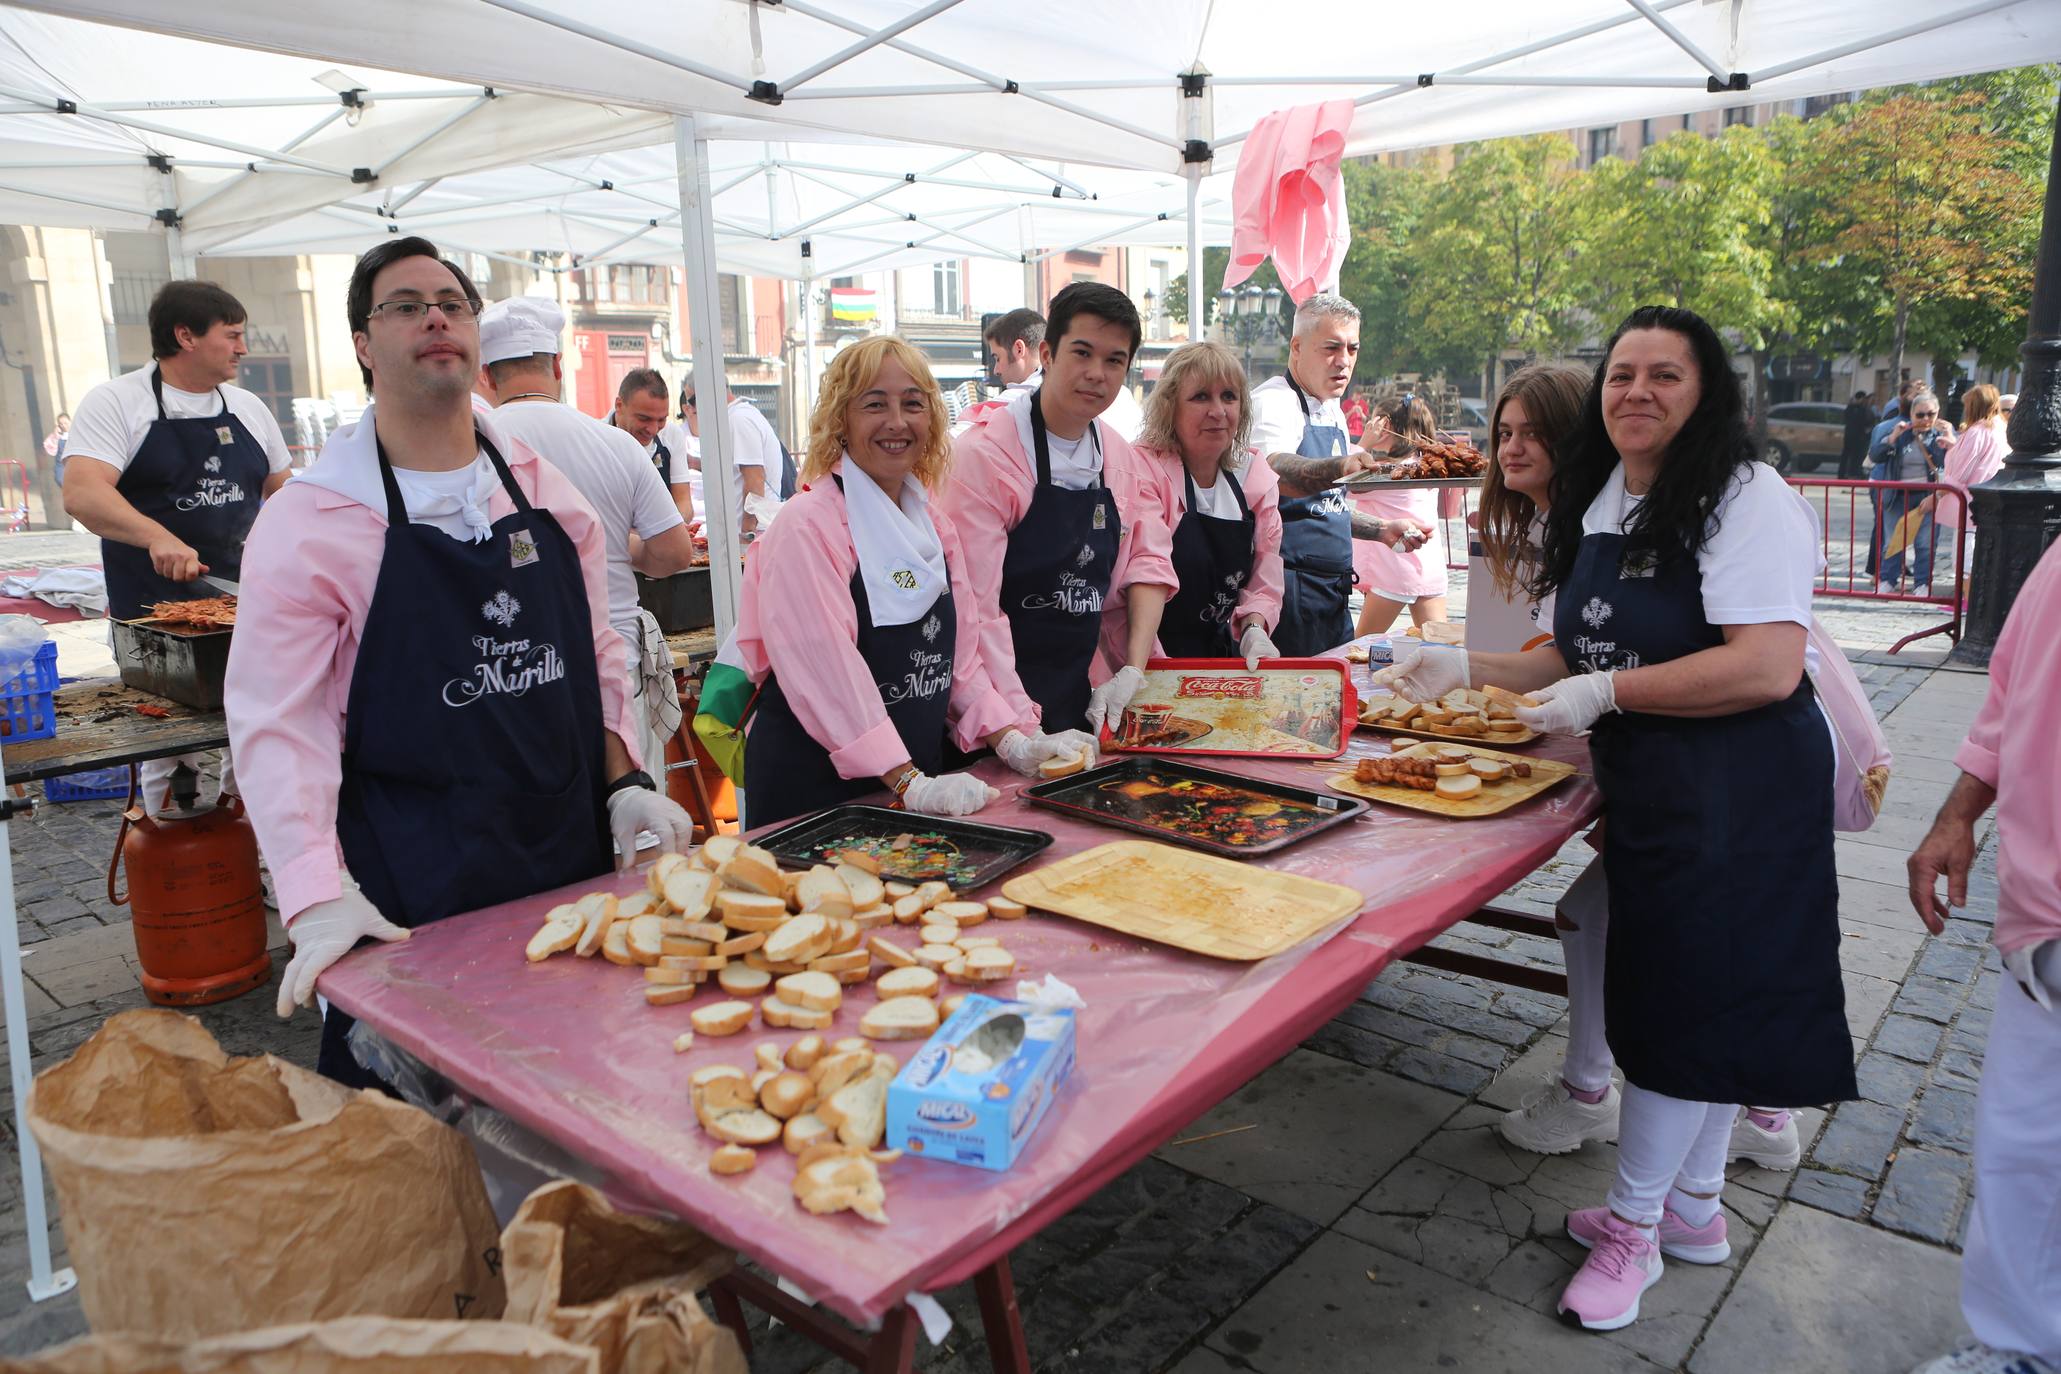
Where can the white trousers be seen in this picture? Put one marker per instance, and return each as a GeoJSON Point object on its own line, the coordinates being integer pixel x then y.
{"type": "Point", "coordinates": [1665, 1142]}
{"type": "Point", "coordinates": [154, 780]}
{"type": "Point", "coordinates": [1586, 905]}
{"type": "Point", "coordinates": [2011, 1274]}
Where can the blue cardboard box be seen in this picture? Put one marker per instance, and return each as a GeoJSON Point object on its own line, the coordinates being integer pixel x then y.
{"type": "Point", "coordinates": [981, 1083]}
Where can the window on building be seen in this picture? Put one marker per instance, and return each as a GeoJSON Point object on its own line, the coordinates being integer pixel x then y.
{"type": "Point", "coordinates": [944, 287]}
{"type": "Point", "coordinates": [730, 300]}
{"type": "Point", "coordinates": [1602, 143]}
{"type": "Point", "coordinates": [271, 381]}
{"type": "Point", "coordinates": [132, 291]}
{"type": "Point", "coordinates": [1688, 121]}
{"type": "Point", "coordinates": [1646, 136]}
{"type": "Point", "coordinates": [1738, 114]}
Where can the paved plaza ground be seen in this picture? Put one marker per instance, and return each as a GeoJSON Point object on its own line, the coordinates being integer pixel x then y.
{"type": "Point", "coordinates": [1358, 1212]}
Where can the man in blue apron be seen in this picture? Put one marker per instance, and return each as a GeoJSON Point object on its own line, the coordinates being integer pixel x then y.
{"type": "Point", "coordinates": [483, 750]}
{"type": "Point", "coordinates": [184, 458]}
{"type": "Point", "coordinates": [1054, 512]}
{"type": "Point", "coordinates": [640, 412]}
{"type": "Point", "coordinates": [1298, 424]}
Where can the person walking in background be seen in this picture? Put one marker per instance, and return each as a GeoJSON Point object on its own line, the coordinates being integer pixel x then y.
{"type": "Point", "coordinates": [1355, 408]}
{"type": "Point", "coordinates": [1853, 449]}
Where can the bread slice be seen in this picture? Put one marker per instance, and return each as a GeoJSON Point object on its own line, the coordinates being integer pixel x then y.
{"type": "Point", "coordinates": [803, 1053]}
{"type": "Point", "coordinates": [936, 956]}
{"type": "Point", "coordinates": [799, 940]}
{"type": "Point", "coordinates": [879, 914]}
{"type": "Point", "coordinates": [816, 991]}
{"type": "Point", "coordinates": [833, 1071]}
{"type": "Point", "coordinates": [950, 1006]}
{"type": "Point", "coordinates": [888, 952]}
{"type": "Point", "coordinates": [745, 1126]}
{"type": "Point", "coordinates": [562, 928]}
{"type": "Point", "coordinates": [678, 928]}
{"type": "Point", "coordinates": [943, 933]}
{"type": "Point", "coordinates": [844, 935]}
{"type": "Point", "coordinates": [821, 890]}
{"type": "Point", "coordinates": [742, 944]}
{"type": "Point", "coordinates": [709, 1073]}
{"type": "Point", "coordinates": [655, 880]}
{"type": "Point", "coordinates": [900, 1018]}
{"type": "Point", "coordinates": [1064, 765]}
{"type": "Point", "coordinates": [753, 906]}
{"type": "Point", "coordinates": [858, 1110]}
{"type": "Point", "coordinates": [717, 851]}
{"type": "Point", "coordinates": [615, 946]}
{"type": "Point", "coordinates": [859, 859]}
{"type": "Point", "coordinates": [990, 965]}
{"type": "Point", "coordinates": [669, 946]}
{"type": "Point", "coordinates": [908, 910]}
{"type": "Point", "coordinates": [722, 1018]}
{"type": "Point", "coordinates": [646, 939]}
{"type": "Point", "coordinates": [752, 869]}
{"type": "Point", "coordinates": [805, 1130]}
{"type": "Point", "coordinates": [695, 963]}
{"type": "Point", "coordinates": [740, 981]}
{"type": "Point", "coordinates": [1508, 697]}
{"type": "Point", "coordinates": [667, 994]}
{"type": "Point", "coordinates": [1488, 770]}
{"type": "Point", "coordinates": [863, 885]}
{"type": "Point", "coordinates": [733, 1159]}
{"type": "Point", "coordinates": [842, 963]}
{"type": "Point", "coordinates": [977, 942]}
{"type": "Point", "coordinates": [792, 1016]}
{"type": "Point", "coordinates": [1461, 787]}
{"type": "Point", "coordinates": [960, 913]}
{"type": "Point", "coordinates": [897, 889]}
{"type": "Point", "coordinates": [906, 982]}
{"type": "Point", "coordinates": [1007, 909]}
{"type": "Point", "coordinates": [931, 893]}
{"type": "Point", "coordinates": [757, 959]}
{"type": "Point", "coordinates": [660, 974]}
{"type": "Point", "coordinates": [786, 1094]}
{"type": "Point", "coordinates": [690, 891]}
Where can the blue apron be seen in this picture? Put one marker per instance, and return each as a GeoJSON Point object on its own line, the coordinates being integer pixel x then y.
{"type": "Point", "coordinates": [200, 477]}
{"type": "Point", "coordinates": [1316, 552]}
{"type": "Point", "coordinates": [1055, 576]}
{"type": "Point", "coordinates": [662, 459]}
{"type": "Point", "coordinates": [1722, 978]}
{"type": "Point", "coordinates": [1212, 560]}
{"type": "Point", "coordinates": [472, 752]}
{"type": "Point", "coordinates": [787, 772]}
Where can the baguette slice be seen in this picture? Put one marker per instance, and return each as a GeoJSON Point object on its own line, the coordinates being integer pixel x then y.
{"type": "Point", "coordinates": [743, 944]}
{"type": "Point", "coordinates": [733, 1159]}
{"type": "Point", "coordinates": [679, 928]}
{"type": "Point", "coordinates": [899, 1018]}
{"type": "Point", "coordinates": [804, 938]}
{"type": "Point", "coordinates": [748, 1126]}
{"type": "Point", "coordinates": [950, 1006]}
{"type": "Point", "coordinates": [804, 1052]}
{"type": "Point", "coordinates": [695, 963]}
{"type": "Point", "coordinates": [821, 890]}
{"type": "Point", "coordinates": [722, 1018]}
{"type": "Point", "coordinates": [1466, 785]}
{"type": "Point", "coordinates": [906, 982]}
{"type": "Point", "coordinates": [842, 963]}
{"type": "Point", "coordinates": [1007, 909]}
{"type": "Point", "coordinates": [844, 935]}
{"type": "Point", "coordinates": [879, 914]}
{"type": "Point", "coordinates": [753, 869]}
{"type": "Point", "coordinates": [690, 891]}
{"type": "Point", "coordinates": [599, 912]}
{"type": "Point", "coordinates": [897, 889]}
{"type": "Point", "coordinates": [816, 991]}
{"type": "Point", "coordinates": [666, 994]}
{"type": "Point", "coordinates": [977, 942]}
{"type": "Point", "coordinates": [803, 1131]}
{"type": "Point", "coordinates": [859, 859]}
{"type": "Point", "coordinates": [789, 1016]}
{"type": "Point", "coordinates": [669, 946]}
{"type": "Point", "coordinates": [786, 1094]}
{"type": "Point", "coordinates": [717, 851]}
{"type": "Point", "coordinates": [931, 893]}
{"type": "Point", "coordinates": [753, 906]}
{"type": "Point", "coordinates": [908, 909]}
{"type": "Point", "coordinates": [888, 952]}
{"type": "Point", "coordinates": [858, 1110]}
{"type": "Point", "coordinates": [936, 956]}
{"type": "Point", "coordinates": [943, 933]}
{"type": "Point", "coordinates": [561, 930]}
{"type": "Point", "coordinates": [1508, 697]}
{"type": "Point", "coordinates": [660, 974]}
{"type": "Point", "coordinates": [862, 884]}
{"type": "Point", "coordinates": [740, 981]}
{"type": "Point", "coordinates": [647, 939]}
{"type": "Point", "coordinates": [655, 880]}
{"type": "Point", "coordinates": [615, 946]}
{"type": "Point", "coordinates": [990, 965]}
{"type": "Point", "coordinates": [961, 913]}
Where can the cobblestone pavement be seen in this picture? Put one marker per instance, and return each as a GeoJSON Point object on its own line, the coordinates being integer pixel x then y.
{"type": "Point", "coordinates": [1361, 1213]}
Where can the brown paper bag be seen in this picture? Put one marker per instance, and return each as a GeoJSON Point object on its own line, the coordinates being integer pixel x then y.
{"type": "Point", "coordinates": [623, 1284]}
{"type": "Point", "coordinates": [348, 1345]}
{"type": "Point", "coordinates": [203, 1195]}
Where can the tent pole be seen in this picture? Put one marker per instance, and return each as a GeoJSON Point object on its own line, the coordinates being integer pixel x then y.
{"type": "Point", "coordinates": [711, 386]}
{"type": "Point", "coordinates": [807, 317]}
{"type": "Point", "coordinates": [1196, 295]}
{"type": "Point", "coordinates": [1026, 236]}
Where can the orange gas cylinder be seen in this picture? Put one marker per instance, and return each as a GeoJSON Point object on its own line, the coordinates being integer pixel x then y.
{"type": "Point", "coordinates": [197, 903]}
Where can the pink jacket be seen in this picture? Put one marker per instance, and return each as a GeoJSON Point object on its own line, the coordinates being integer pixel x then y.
{"type": "Point", "coordinates": [796, 618]}
{"type": "Point", "coordinates": [989, 491]}
{"type": "Point", "coordinates": [309, 569]}
{"type": "Point", "coordinates": [1976, 456]}
{"type": "Point", "coordinates": [1288, 199]}
{"type": "Point", "coordinates": [1262, 594]}
{"type": "Point", "coordinates": [2014, 747]}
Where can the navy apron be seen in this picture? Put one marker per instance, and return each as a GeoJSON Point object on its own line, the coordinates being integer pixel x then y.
{"type": "Point", "coordinates": [1722, 978]}
{"type": "Point", "coordinates": [662, 459]}
{"type": "Point", "coordinates": [1055, 577]}
{"type": "Point", "coordinates": [472, 753]}
{"type": "Point", "coordinates": [1316, 552]}
{"type": "Point", "coordinates": [1212, 560]}
{"type": "Point", "coordinates": [787, 772]}
{"type": "Point", "coordinates": [201, 477]}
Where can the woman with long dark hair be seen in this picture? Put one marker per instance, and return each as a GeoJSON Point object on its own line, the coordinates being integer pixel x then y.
{"type": "Point", "coordinates": [1680, 573]}
{"type": "Point", "coordinates": [1393, 576]}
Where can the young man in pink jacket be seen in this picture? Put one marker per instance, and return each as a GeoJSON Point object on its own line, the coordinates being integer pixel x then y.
{"type": "Point", "coordinates": [2011, 1273]}
{"type": "Point", "coordinates": [1056, 515]}
{"type": "Point", "coordinates": [424, 692]}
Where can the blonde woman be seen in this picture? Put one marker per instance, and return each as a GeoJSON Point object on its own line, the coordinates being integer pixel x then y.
{"type": "Point", "coordinates": [856, 620]}
{"type": "Point", "coordinates": [1978, 454]}
{"type": "Point", "coordinates": [1224, 508]}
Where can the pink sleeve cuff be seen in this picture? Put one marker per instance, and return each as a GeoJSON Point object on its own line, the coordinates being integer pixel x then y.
{"type": "Point", "coordinates": [316, 876]}
{"type": "Point", "coordinates": [1976, 761]}
{"type": "Point", "coordinates": [985, 714]}
{"type": "Point", "coordinates": [871, 754]}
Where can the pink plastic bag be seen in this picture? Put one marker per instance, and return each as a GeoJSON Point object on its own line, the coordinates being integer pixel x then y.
{"type": "Point", "coordinates": [1860, 772]}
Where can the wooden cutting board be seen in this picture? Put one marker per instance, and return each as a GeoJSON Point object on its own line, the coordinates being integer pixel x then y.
{"type": "Point", "coordinates": [1493, 797]}
{"type": "Point", "coordinates": [1198, 902]}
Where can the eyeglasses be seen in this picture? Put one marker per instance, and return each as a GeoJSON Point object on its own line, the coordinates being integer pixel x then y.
{"type": "Point", "coordinates": [1924, 414]}
{"type": "Point", "coordinates": [459, 311]}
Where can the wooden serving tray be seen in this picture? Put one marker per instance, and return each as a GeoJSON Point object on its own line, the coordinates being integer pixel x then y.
{"type": "Point", "coordinates": [1494, 797]}
{"type": "Point", "coordinates": [1218, 907]}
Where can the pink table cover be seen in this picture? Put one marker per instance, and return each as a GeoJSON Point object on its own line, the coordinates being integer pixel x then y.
{"type": "Point", "coordinates": [569, 1049]}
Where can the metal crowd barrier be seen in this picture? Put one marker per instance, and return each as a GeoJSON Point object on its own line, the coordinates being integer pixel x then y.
{"type": "Point", "coordinates": [1883, 520]}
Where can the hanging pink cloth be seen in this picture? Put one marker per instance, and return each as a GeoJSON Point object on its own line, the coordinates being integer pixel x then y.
{"type": "Point", "coordinates": [1288, 200]}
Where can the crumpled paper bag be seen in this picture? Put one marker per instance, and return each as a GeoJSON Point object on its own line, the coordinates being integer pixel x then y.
{"type": "Point", "coordinates": [348, 1345]}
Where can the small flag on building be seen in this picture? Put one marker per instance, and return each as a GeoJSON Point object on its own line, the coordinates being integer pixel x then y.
{"type": "Point", "coordinates": [852, 305]}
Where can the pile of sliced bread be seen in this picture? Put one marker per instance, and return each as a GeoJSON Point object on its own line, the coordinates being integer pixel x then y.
{"type": "Point", "coordinates": [826, 1103]}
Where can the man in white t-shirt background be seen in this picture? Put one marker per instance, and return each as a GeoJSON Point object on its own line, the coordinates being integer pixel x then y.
{"type": "Point", "coordinates": [520, 366]}
{"type": "Point", "coordinates": [755, 461]}
{"type": "Point", "coordinates": [640, 412]}
{"type": "Point", "coordinates": [181, 460]}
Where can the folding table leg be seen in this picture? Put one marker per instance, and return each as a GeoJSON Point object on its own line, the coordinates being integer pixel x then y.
{"type": "Point", "coordinates": [730, 1312]}
{"type": "Point", "coordinates": [893, 1351]}
{"type": "Point", "coordinates": [1001, 1319]}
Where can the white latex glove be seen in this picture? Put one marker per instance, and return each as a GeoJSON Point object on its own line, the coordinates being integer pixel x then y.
{"type": "Point", "coordinates": [952, 794]}
{"type": "Point", "coordinates": [1106, 703]}
{"type": "Point", "coordinates": [1255, 645]}
{"type": "Point", "coordinates": [637, 810]}
{"type": "Point", "coordinates": [1571, 705]}
{"type": "Point", "coordinates": [1024, 750]}
{"type": "Point", "coordinates": [325, 933]}
{"type": "Point", "coordinates": [1424, 674]}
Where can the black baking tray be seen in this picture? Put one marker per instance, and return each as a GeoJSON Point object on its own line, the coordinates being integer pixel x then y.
{"type": "Point", "coordinates": [1115, 794]}
{"type": "Point", "coordinates": [984, 852]}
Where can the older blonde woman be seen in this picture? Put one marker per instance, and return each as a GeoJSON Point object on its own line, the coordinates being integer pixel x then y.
{"type": "Point", "coordinates": [857, 620]}
{"type": "Point", "coordinates": [1223, 506]}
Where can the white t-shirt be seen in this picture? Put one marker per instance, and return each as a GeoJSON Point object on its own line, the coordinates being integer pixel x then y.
{"type": "Point", "coordinates": [1076, 463]}
{"type": "Point", "coordinates": [613, 472]}
{"type": "Point", "coordinates": [113, 417]}
{"type": "Point", "coordinates": [1760, 563]}
{"type": "Point", "coordinates": [1277, 419]}
{"type": "Point", "coordinates": [1219, 501]}
{"type": "Point", "coordinates": [447, 494]}
{"type": "Point", "coordinates": [686, 451]}
{"type": "Point", "coordinates": [752, 445]}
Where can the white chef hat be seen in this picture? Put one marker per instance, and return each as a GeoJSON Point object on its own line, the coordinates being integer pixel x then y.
{"type": "Point", "coordinates": [519, 327]}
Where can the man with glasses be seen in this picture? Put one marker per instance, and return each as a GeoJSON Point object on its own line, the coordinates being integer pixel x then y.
{"type": "Point", "coordinates": [424, 686]}
{"type": "Point", "coordinates": [183, 458]}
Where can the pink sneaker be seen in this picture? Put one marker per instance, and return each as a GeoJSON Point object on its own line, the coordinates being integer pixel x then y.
{"type": "Point", "coordinates": [1678, 1239]}
{"type": "Point", "coordinates": [1622, 1264]}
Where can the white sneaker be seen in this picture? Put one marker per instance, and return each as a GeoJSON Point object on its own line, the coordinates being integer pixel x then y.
{"type": "Point", "coordinates": [1985, 1359]}
{"type": "Point", "coordinates": [1777, 1150]}
{"type": "Point", "coordinates": [1553, 1120]}
{"type": "Point", "coordinates": [1885, 589]}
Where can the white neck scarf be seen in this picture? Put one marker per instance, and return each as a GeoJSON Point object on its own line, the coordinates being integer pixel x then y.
{"type": "Point", "coordinates": [349, 466]}
{"type": "Point", "coordinates": [901, 560]}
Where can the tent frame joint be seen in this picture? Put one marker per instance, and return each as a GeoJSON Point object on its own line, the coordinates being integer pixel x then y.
{"type": "Point", "coordinates": [765, 92]}
{"type": "Point", "coordinates": [1195, 150]}
{"type": "Point", "coordinates": [168, 217]}
{"type": "Point", "coordinates": [159, 162]}
{"type": "Point", "coordinates": [1011, 88]}
{"type": "Point", "coordinates": [1192, 84]}
{"type": "Point", "coordinates": [362, 176]}
{"type": "Point", "coordinates": [1424, 79]}
{"type": "Point", "coordinates": [1738, 81]}
{"type": "Point", "coordinates": [64, 106]}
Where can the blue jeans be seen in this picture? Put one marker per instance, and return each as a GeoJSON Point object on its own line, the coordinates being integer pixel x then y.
{"type": "Point", "coordinates": [1878, 473]}
{"type": "Point", "coordinates": [1896, 505]}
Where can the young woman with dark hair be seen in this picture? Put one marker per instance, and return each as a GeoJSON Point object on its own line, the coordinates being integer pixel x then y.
{"type": "Point", "coordinates": [1393, 577]}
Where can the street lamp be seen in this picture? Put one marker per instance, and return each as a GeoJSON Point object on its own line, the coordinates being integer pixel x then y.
{"type": "Point", "coordinates": [2017, 513]}
{"type": "Point", "coordinates": [1251, 319]}
{"type": "Point", "coordinates": [1151, 314]}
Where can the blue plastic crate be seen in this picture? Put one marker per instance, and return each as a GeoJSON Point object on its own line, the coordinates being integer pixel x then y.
{"type": "Point", "coordinates": [98, 784]}
{"type": "Point", "coordinates": [28, 708]}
